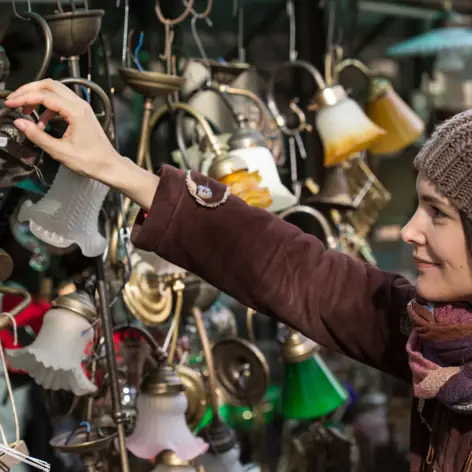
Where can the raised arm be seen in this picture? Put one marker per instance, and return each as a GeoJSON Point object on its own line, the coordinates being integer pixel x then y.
{"type": "Point", "coordinates": [272, 266]}
{"type": "Point", "coordinates": [248, 253]}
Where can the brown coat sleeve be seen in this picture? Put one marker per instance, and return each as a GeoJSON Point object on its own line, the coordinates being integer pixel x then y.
{"type": "Point", "coordinates": [275, 268]}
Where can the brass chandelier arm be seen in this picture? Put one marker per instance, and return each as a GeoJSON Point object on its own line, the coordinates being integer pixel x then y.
{"type": "Point", "coordinates": [205, 342]}
{"type": "Point", "coordinates": [157, 115]}
{"type": "Point", "coordinates": [318, 216]}
{"type": "Point", "coordinates": [178, 288]}
{"type": "Point", "coordinates": [5, 321]}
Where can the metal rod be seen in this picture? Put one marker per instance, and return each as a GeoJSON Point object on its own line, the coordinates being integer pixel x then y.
{"type": "Point", "coordinates": [119, 416]}
{"type": "Point", "coordinates": [405, 11]}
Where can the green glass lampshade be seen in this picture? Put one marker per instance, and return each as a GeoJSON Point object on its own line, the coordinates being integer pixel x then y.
{"type": "Point", "coordinates": [309, 389]}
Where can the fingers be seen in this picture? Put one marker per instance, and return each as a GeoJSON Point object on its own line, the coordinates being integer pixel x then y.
{"type": "Point", "coordinates": [45, 118]}
{"type": "Point", "coordinates": [39, 137]}
{"type": "Point", "coordinates": [52, 101]}
{"type": "Point", "coordinates": [41, 85]}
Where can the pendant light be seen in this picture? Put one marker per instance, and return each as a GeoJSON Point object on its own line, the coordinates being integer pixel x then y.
{"type": "Point", "coordinates": [388, 110]}
{"type": "Point", "coordinates": [343, 127]}
{"type": "Point", "coordinates": [310, 390]}
{"type": "Point", "coordinates": [250, 146]}
{"type": "Point", "coordinates": [160, 424]}
{"type": "Point", "coordinates": [54, 358]}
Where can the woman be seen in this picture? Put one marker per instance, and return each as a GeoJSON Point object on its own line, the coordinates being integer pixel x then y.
{"type": "Point", "coordinates": [272, 266]}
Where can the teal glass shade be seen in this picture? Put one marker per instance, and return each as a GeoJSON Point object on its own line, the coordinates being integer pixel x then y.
{"type": "Point", "coordinates": [30, 186]}
{"type": "Point", "coordinates": [433, 42]}
{"type": "Point", "coordinates": [310, 390]}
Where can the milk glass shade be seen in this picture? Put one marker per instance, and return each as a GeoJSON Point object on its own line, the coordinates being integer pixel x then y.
{"type": "Point", "coordinates": [227, 461]}
{"type": "Point", "coordinates": [160, 423]}
{"type": "Point", "coordinates": [68, 214]}
{"type": "Point", "coordinates": [259, 159]}
{"type": "Point", "coordinates": [345, 130]}
{"type": "Point", "coordinates": [54, 358]}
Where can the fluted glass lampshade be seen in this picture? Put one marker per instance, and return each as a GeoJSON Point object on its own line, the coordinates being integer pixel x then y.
{"type": "Point", "coordinates": [54, 358]}
{"type": "Point", "coordinates": [309, 389]}
{"type": "Point", "coordinates": [68, 214]}
{"type": "Point", "coordinates": [160, 424]}
{"type": "Point", "coordinates": [259, 159]}
{"type": "Point", "coordinates": [345, 130]}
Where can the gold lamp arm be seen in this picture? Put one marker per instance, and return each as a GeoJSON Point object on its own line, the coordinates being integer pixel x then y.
{"type": "Point", "coordinates": [315, 74]}
{"type": "Point", "coordinates": [356, 64]}
{"type": "Point", "coordinates": [318, 216]}
{"type": "Point", "coordinates": [4, 322]}
{"type": "Point", "coordinates": [203, 335]}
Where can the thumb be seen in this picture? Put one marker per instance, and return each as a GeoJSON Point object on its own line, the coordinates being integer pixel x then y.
{"type": "Point", "coordinates": [36, 135]}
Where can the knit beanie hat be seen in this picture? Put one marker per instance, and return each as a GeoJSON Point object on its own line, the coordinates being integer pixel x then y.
{"type": "Point", "coordinates": [446, 160]}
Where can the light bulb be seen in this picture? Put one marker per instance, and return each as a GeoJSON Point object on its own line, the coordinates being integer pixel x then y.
{"type": "Point", "coordinates": [259, 159]}
{"type": "Point", "coordinates": [160, 423]}
{"type": "Point", "coordinates": [68, 214]}
{"type": "Point", "coordinates": [54, 359]}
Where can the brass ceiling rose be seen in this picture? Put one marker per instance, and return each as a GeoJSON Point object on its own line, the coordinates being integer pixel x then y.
{"type": "Point", "coordinates": [195, 393]}
{"type": "Point", "coordinates": [296, 347]}
{"type": "Point", "coordinates": [151, 84]}
{"type": "Point", "coordinates": [145, 295]}
{"type": "Point", "coordinates": [225, 72]}
{"type": "Point", "coordinates": [84, 442]}
{"type": "Point", "coordinates": [241, 371]}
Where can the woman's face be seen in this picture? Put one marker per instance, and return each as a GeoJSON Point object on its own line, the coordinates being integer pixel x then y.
{"type": "Point", "coordinates": [440, 251]}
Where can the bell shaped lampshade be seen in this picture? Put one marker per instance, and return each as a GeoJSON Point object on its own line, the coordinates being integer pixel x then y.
{"type": "Point", "coordinates": [343, 127]}
{"type": "Point", "coordinates": [309, 388]}
{"type": "Point", "coordinates": [249, 145]}
{"type": "Point", "coordinates": [54, 358]}
{"type": "Point", "coordinates": [389, 111]}
{"type": "Point", "coordinates": [160, 424]}
{"type": "Point", "coordinates": [167, 461]}
{"type": "Point", "coordinates": [68, 214]}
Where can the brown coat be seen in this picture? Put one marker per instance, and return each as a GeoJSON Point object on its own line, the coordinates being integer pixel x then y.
{"type": "Point", "coordinates": [272, 266]}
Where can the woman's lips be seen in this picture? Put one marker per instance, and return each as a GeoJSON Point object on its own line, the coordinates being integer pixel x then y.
{"type": "Point", "coordinates": [424, 264]}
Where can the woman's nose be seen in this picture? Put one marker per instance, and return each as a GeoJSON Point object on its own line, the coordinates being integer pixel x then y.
{"type": "Point", "coordinates": [412, 233]}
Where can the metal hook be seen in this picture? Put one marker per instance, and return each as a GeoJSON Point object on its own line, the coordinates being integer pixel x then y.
{"type": "Point", "coordinates": [196, 38]}
{"type": "Point", "coordinates": [125, 59]}
{"type": "Point", "coordinates": [59, 6]}
{"type": "Point", "coordinates": [15, 12]}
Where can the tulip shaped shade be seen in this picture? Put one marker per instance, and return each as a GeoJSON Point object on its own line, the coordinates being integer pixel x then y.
{"type": "Point", "coordinates": [259, 159]}
{"type": "Point", "coordinates": [54, 358]}
{"type": "Point", "coordinates": [160, 423]}
{"type": "Point", "coordinates": [68, 214]}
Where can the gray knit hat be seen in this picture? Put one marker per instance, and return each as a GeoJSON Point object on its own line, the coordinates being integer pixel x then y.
{"type": "Point", "coordinates": [446, 159]}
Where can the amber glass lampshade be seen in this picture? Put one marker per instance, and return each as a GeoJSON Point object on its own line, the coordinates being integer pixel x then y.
{"type": "Point", "coordinates": [389, 111]}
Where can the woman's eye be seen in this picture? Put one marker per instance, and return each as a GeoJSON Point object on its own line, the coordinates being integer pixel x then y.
{"type": "Point", "coordinates": [437, 213]}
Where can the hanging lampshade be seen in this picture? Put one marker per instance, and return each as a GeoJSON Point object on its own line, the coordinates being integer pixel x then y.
{"type": "Point", "coordinates": [335, 193]}
{"type": "Point", "coordinates": [343, 127]}
{"type": "Point", "coordinates": [167, 461]}
{"type": "Point", "coordinates": [54, 358]}
{"type": "Point", "coordinates": [68, 214]}
{"type": "Point", "coordinates": [389, 111]}
{"type": "Point", "coordinates": [309, 388]}
{"type": "Point", "coordinates": [250, 146]}
{"type": "Point", "coordinates": [161, 424]}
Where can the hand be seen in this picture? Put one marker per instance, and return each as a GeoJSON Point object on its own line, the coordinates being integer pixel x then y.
{"type": "Point", "coordinates": [84, 148]}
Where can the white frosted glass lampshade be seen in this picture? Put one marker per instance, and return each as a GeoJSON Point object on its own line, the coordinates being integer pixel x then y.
{"type": "Point", "coordinates": [54, 359]}
{"type": "Point", "coordinates": [345, 130]}
{"type": "Point", "coordinates": [227, 461]}
{"type": "Point", "coordinates": [161, 426]}
{"type": "Point", "coordinates": [68, 214]}
{"type": "Point", "coordinates": [260, 159]}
